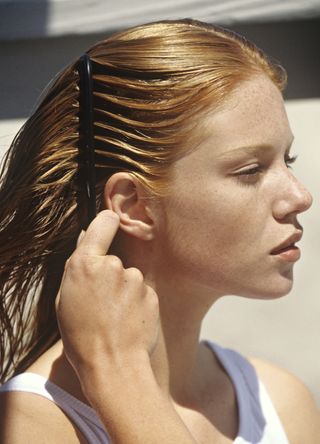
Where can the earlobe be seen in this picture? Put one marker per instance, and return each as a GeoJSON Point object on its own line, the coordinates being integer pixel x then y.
{"type": "Point", "coordinates": [126, 196]}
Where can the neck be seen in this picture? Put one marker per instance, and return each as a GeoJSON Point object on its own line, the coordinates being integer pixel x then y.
{"type": "Point", "coordinates": [179, 362]}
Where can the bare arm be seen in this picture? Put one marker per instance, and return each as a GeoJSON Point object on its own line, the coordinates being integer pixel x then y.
{"type": "Point", "coordinates": [109, 318]}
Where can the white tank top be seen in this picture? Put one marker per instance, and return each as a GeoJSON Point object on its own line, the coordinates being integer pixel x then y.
{"type": "Point", "coordinates": [258, 419]}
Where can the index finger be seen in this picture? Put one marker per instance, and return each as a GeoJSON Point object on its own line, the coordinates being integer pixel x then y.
{"type": "Point", "coordinates": [99, 234]}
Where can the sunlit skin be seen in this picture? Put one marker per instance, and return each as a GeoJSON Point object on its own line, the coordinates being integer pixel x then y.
{"type": "Point", "coordinates": [229, 206]}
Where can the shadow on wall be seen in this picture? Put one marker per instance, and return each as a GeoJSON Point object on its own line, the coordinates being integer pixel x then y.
{"type": "Point", "coordinates": [296, 45]}
{"type": "Point", "coordinates": [28, 65]}
{"type": "Point", "coordinates": [21, 20]}
{"type": "Point", "coordinates": [21, 69]}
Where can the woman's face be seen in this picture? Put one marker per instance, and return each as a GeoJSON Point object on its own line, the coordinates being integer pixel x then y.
{"type": "Point", "coordinates": [234, 199]}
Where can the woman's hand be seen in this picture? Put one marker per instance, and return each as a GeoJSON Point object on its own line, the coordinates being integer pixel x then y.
{"type": "Point", "coordinates": [109, 323]}
{"type": "Point", "coordinates": [107, 315]}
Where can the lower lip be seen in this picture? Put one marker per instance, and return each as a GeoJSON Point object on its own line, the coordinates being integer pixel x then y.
{"type": "Point", "coordinates": [291, 254]}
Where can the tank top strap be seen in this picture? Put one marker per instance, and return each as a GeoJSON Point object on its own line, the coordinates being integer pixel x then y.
{"type": "Point", "coordinates": [258, 419]}
{"type": "Point", "coordinates": [83, 416]}
{"type": "Point", "coordinates": [259, 422]}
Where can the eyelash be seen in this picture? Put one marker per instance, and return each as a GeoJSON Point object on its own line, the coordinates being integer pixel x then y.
{"type": "Point", "coordinates": [253, 172]}
{"type": "Point", "coordinates": [289, 160]}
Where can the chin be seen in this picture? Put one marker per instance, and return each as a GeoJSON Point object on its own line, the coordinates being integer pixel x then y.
{"type": "Point", "coordinates": [271, 290]}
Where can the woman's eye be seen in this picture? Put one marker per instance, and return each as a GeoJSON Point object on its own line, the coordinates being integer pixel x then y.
{"type": "Point", "coordinates": [250, 171]}
{"type": "Point", "coordinates": [249, 175]}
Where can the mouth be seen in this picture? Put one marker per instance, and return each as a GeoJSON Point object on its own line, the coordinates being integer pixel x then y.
{"type": "Point", "coordinates": [287, 250]}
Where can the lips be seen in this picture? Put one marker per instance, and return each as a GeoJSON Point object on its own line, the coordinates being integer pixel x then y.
{"type": "Point", "coordinates": [288, 243]}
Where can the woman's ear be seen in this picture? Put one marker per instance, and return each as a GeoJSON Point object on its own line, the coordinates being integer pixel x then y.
{"type": "Point", "coordinates": [125, 195]}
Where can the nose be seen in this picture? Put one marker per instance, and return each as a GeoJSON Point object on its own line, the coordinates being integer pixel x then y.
{"type": "Point", "coordinates": [293, 197]}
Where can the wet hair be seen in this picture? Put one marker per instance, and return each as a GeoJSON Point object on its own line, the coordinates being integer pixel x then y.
{"type": "Point", "coordinates": [152, 85]}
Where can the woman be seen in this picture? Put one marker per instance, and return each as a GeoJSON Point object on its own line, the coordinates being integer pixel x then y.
{"type": "Point", "coordinates": [195, 201]}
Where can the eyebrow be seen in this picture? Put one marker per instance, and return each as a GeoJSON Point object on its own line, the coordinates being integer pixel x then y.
{"type": "Point", "coordinates": [250, 150]}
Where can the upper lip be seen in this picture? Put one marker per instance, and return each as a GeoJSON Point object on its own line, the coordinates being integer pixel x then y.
{"type": "Point", "coordinates": [291, 240]}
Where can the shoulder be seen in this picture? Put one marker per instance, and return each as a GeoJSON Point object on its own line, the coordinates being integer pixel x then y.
{"type": "Point", "coordinates": [294, 403]}
{"type": "Point", "coordinates": [27, 417]}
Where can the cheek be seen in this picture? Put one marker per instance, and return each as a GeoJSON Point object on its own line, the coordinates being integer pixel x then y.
{"type": "Point", "coordinates": [211, 231]}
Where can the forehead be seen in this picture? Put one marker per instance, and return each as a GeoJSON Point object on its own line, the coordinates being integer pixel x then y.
{"type": "Point", "coordinates": [253, 114]}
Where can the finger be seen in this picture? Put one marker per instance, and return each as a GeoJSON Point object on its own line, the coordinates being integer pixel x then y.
{"type": "Point", "coordinates": [100, 233]}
